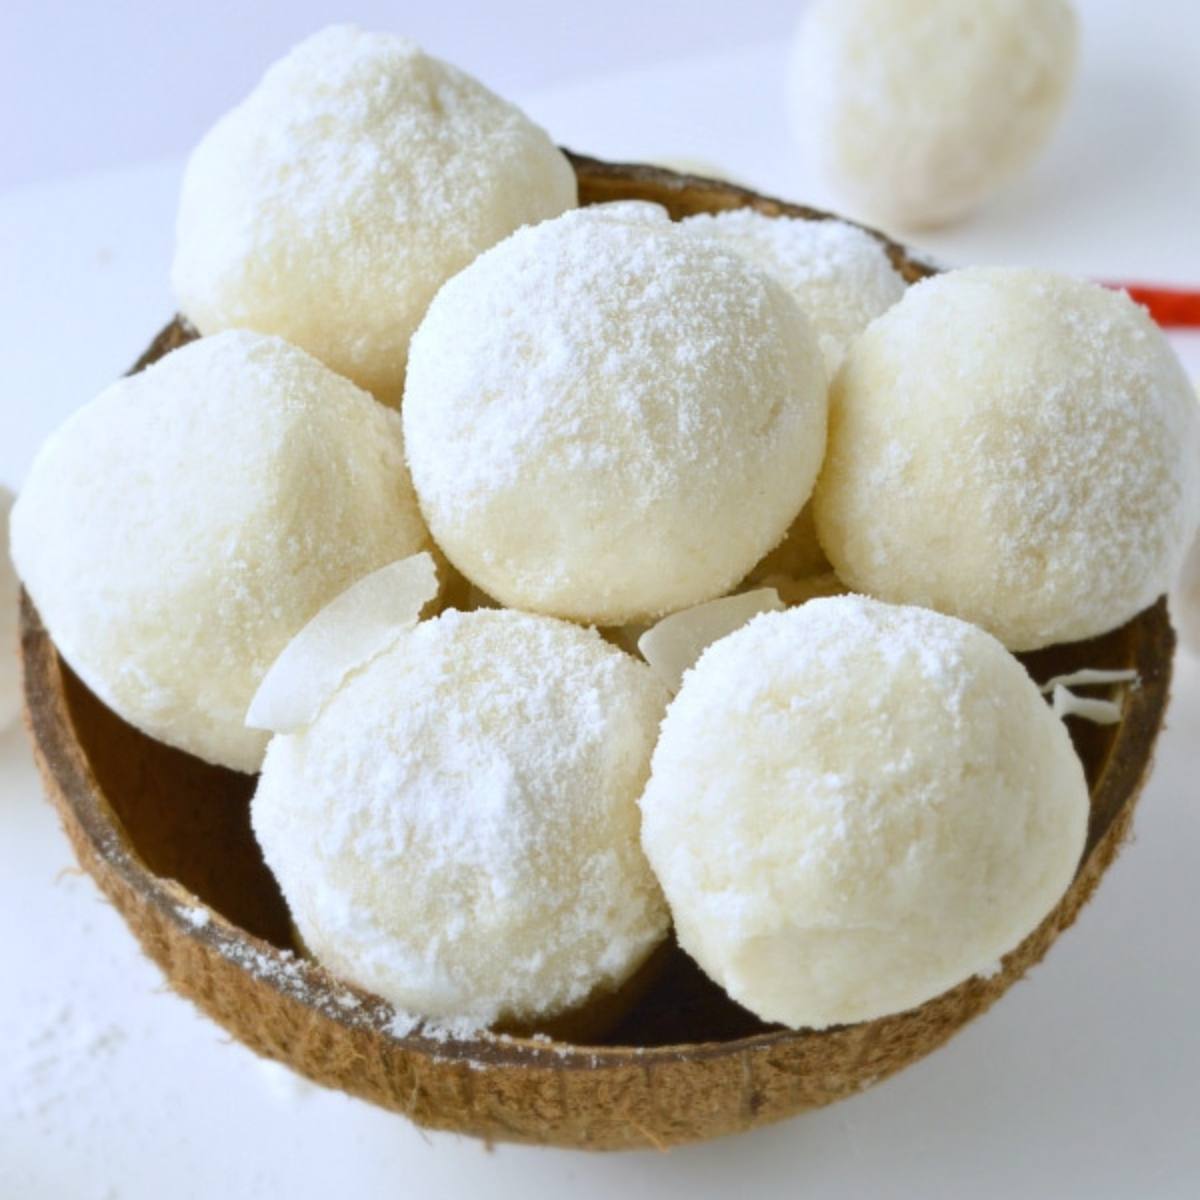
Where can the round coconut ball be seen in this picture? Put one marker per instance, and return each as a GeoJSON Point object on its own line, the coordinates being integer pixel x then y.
{"type": "Point", "coordinates": [607, 419]}
{"type": "Point", "coordinates": [1016, 448]}
{"type": "Point", "coordinates": [854, 806]}
{"type": "Point", "coordinates": [842, 278]}
{"type": "Point", "coordinates": [458, 829]}
{"type": "Point", "coordinates": [331, 204]}
{"type": "Point", "coordinates": [840, 275]}
{"type": "Point", "coordinates": [176, 532]}
{"type": "Point", "coordinates": [918, 109]}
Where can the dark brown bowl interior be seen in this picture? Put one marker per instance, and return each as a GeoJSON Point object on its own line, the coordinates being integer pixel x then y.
{"type": "Point", "coordinates": [168, 838]}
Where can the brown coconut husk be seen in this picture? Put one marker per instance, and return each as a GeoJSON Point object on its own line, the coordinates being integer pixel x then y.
{"type": "Point", "coordinates": [168, 839]}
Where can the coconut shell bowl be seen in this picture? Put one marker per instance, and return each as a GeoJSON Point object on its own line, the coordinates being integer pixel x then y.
{"type": "Point", "coordinates": [168, 840]}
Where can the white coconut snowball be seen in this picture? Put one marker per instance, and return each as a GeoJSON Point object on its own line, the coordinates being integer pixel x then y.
{"type": "Point", "coordinates": [458, 830]}
{"type": "Point", "coordinates": [855, 806]}
{"type": "Point", "coordinates": [331, 204]}
{"type": "Point", "coordinates": [840, 275]}
{"type": "Point", "coordinates": [1016, 448]}
{"type": "Point", "coordinates": [607, 419]}
{"type": "Point", "coordinates": [10, 683]}
{"type": "Point", "coordinates": [842, 279]}
{"type": "Point", "coordinates": [176, 532]}
{"type": "Point", "coordinates": [919, 109]}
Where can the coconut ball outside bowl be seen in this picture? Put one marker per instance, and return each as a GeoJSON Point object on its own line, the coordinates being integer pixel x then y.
{"type": "Point", "coordinates": [168, 839]}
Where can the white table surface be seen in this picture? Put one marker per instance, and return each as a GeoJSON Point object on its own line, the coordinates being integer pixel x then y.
{"type": "Point", "coordinates": [1084, 1081]}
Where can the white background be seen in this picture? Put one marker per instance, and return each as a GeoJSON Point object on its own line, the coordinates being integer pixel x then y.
{"type": "Point", "coordinates": [1083, 1082]}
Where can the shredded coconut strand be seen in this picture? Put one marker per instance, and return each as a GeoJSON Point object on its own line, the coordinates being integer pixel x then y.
{"type": "Point", "coordinates": [1066, 704]}
{"type": "Point", "coordinates": [1089, 677]}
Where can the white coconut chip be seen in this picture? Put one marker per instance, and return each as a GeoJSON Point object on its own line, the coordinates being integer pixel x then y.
{"type": "Point", "coordinates": [1088, 677]}
{"type": "Point", "coordinates": [349, 631]}
{"type": "Point", "coordinates": [1066, 704]}
{"type": "Point", "coordinates": [673, 645]}
{"type": "Point", "coordinates": [1102, 712]}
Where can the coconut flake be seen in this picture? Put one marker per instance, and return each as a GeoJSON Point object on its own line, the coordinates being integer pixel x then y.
{"type": "Point", "coordinates": [673, 645]}
{"type": "Point", "coordinates": [1066, 704]}
{"type": "Point", "coordinates": [349, 631]}
{"type": "Point", "coordinates": [1088, 677]}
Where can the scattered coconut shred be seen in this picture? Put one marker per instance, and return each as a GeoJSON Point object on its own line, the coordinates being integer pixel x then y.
{"type": "Point", "coordinates": [1067, 704]}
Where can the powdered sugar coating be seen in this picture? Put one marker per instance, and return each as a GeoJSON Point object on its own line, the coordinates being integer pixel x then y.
{"type": "Point", "coordinates": [458, 830]}
{"type": "Point", "coordinates": [331, 204]}
{"type": "Point", "coordinates": [854, 806]}
{"type": "Point", "coordinates": [839, 274]}
{"type": "Point", "coordinates": [607, 419]}
{"type": "Point", "coordinates": [176, 532]}
{"type": "Point", "coordinates": [919, 109]}
{"type": "Point", "coordinates": [1017, 448]}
